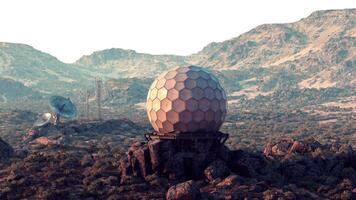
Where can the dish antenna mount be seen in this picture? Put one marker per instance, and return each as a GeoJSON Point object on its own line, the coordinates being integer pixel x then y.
{"type": "Point", "coordinates": [43, 120]}
{"type": "Point", "coordinates": [62, 107]}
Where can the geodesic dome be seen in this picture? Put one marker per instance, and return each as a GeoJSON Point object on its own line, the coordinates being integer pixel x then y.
{"type": "Point", "coordinates": [186, 99]}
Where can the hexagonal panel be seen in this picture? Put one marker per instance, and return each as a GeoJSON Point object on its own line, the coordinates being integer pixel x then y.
{"type": "Point", "coordinates": [153, 93]}
{"type": "Point", "coordinates": [173, 94]}
{"type": "Point", "coordinates": [161, 115]}
{"type": "Point", "coordinates": [162, 93]}
{"type": "Point", "coordinates": [214, 105]}
{"type": "Point", "coordinates": [193, 74]}
{"type": "Point", "coordinates": [159, 124]}
{"type": "Point", "coordinates": [153, 115]}
{"type": "Point", "coordinates": [179, 105]}
{"type": "Point", "coordinates": [149, 104]}
{"type": "Point", "coordinates": [185, 94]}
{"type": "Point", "coordinates": [217, 116]}
{"type": "Point", "coordinates": [198, 116]}
{"type": "Point", "coordinates": [223, 94]}
{"type": "Point", "coordinates": [190, 83]}
{"type": "Point", "coordinates": [222, 105]}
{"type": "Point", "coordinates": [218, 94]}
{"type": "Point", "coordinates": [171, 75]}
{"type": "Point", "coordinates": [204, 104]}
{"type": "Point", "coordinates": [181, 77]}
{"type": "Point", "coordinates": [192, 105]}
{"type": "Point", "coordinates": [197, 93]}
{"type": "Point", "coordinates": [204, 75]}
{"type": "Point", "coordinates": [156, 104]}
{"type": "Point", "coordinates": [179, 86]}
{"type": "Point", "coordinates": [212, 84]}
{"type": "Point", "coordinates": [154, 126]}
{"type": "Point", "coordinates": [160, 83]}
{"type": "Point", "coordinates": [170, 84]}
{"type": "Point", "coordinates": [209, 93]}
{"type": "Point", "coordinates": [183, 70]}
{"type": "Point", "coordinates": [166, 105]}
{"type": "Point", "coordinates": [173, 116]}
{"type": "Point", "coordinates": [201, 83]}
{"type": "Point", "coordinates": [168, 126]}
{"type": "Point", "coordinates": [209, 116]}
{"type": "Point", "coordinates": [186, 116]}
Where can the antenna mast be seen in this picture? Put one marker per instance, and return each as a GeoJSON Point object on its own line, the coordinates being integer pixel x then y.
{"type": "Point", "coordinates": [87, 105]}
{"type": "Point", "coordinates": [99, 83]}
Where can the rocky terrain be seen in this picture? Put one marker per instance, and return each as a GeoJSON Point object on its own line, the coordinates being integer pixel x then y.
{"type": "Point", "coordinates": [291, 120]}
{"type": "Point", "coordinates": [286, 169]}
{"type": "Point", "coordinates": [86, 160]}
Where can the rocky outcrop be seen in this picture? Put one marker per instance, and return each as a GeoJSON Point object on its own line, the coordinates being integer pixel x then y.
{"type": "Point", "coordinates": [159, 169]}
{"type": "Point", "coordinates": [288, 146]}
{"type": "Point", "coordinates": [183, 191]}
{"type": "Point", "coordinates": [215, 170]}
{"type": "Point", "coordinates": [176, 159]}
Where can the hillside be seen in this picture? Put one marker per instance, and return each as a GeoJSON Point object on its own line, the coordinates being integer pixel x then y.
{"type": "Point", "coordinates": [317, 52]}
{"type": "Point", "coordinates": [11, 90]}
{"type": "Point", "coordinates": [120, 63]}
{"type": "Point", "coordinates": [38, 70]}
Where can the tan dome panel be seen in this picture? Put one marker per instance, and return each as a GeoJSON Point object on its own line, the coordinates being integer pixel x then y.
{"type": "Point", "coordinates": [170, 84]}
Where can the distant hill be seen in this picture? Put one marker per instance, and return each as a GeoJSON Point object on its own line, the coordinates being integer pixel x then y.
{"type": "Point", "coordinates": [120, 63]}
{"type": "Point", "coordinates": [38, 70]}
{"type": "Point", "coordinates": [317, 52]}
{"type": "Point", "coordinates": [11, 90]}
{"type": "Point", "coordinates": [128, 91]}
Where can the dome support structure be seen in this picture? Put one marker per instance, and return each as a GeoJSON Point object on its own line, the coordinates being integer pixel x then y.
{"type": "Point", "coordinates": [221, 137]}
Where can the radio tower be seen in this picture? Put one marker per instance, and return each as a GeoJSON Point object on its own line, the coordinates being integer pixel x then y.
{"type": "Point", "coordinates": [87, 104]}
{"type": "Point", "coordinates": [99, 83]}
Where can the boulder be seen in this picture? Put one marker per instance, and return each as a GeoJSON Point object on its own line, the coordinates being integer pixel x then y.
{"type": "Point", "coordinates": [183, 191]}
{"type": "Point", "coordinates": [216, 169]}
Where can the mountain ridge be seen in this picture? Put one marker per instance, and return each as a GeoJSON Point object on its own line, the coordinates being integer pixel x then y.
{"type": "Point", "coordinates": [317, 51]}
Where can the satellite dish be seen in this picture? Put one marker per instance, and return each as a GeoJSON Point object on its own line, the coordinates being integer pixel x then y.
{"type": "Point", "coordinates": [43, 120]}
{"type": "Point", "coordinates": [62, 107]}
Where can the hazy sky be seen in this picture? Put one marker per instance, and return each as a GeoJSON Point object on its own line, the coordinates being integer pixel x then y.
{"type": "Point", "coordinates": [69, 29]}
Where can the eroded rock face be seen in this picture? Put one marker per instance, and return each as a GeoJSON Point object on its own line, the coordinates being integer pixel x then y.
{"type": "Point", "coordinates": [183, 191]}
{"type": "Point", "coordinates": [6, 151]}
{"type": "Point", "coordinates": [175, 159]}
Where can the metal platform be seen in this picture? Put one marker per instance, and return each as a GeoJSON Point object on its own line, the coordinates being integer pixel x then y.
{"type": "Point", "coordinates": [222, 137]}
